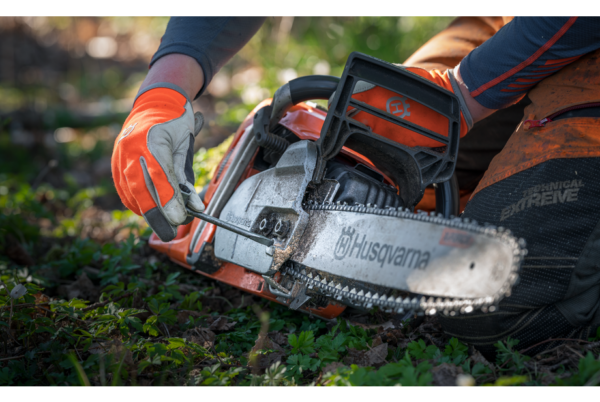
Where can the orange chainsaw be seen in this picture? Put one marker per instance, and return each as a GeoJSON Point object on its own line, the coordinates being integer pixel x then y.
{"type": "Point", "coordinates": [312, 209]}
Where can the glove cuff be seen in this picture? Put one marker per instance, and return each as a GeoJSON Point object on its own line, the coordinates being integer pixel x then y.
{"type": "Point", "coordinates": [463, 105]}
{"type": "Point", "coordinates": [168, 85]}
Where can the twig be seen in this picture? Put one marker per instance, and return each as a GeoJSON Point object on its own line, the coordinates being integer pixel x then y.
{"type": "Point", "coordinates": [592, 345]}
{"type": "Point", "coordinates": [555, 366]}
{"type": "Point", "coordinates": [166, 329]}
{"type": "Point", "coordinates": [551, 340]}
{"type": "Point", "coordinates": [104, 303]}
{"type": "Point", "coordinates": [574, 351]}
{"type": "Point", "coordinates": [11, 358]}
{"type": "Point", "coordinates": [25, 305]}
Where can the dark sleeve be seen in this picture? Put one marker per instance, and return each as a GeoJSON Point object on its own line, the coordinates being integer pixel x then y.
{"type": "Point", "coordinates": [212, 41]}
{"type": "Point", "coordinates": [524, 52]}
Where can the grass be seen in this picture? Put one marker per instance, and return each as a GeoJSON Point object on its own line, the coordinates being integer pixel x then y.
{"type": "Point", "coordinates": [79, 311]}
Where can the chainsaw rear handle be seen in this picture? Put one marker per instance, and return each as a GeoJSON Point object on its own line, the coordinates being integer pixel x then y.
{"type": "Point", "coordinates": [300, 90]}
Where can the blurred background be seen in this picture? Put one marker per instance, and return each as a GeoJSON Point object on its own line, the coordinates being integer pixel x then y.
{"type": "Point", "coordinates": [67, 85]}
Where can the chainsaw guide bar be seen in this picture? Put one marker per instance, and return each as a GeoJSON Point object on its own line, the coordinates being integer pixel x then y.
{"type": "Point", "coordinates": [496, 274]}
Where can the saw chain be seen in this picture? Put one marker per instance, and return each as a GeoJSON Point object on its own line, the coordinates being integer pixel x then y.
{"type": "Point", "coordinates": [365, 295]}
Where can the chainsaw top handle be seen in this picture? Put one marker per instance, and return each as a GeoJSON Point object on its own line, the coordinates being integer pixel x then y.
{"type": "Point", "coordinates": [412, 169]}
{"type": "Point", "coordinates": [300, 90]}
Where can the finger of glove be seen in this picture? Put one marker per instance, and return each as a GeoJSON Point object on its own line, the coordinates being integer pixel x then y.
{"type": "Point", "coordinates": [156, 216]}
{"type": "Point", "coordinates": [170, 143]}
{"type": "Point", "coordinates": [184, 169]}
{"type": "Point", "coordinates": [198, 123]}
{"type": "Point", "coordinates": [194, 202]}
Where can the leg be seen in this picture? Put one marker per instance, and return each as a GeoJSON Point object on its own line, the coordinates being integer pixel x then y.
{"type": "Point", "coordinates": [555, 207]}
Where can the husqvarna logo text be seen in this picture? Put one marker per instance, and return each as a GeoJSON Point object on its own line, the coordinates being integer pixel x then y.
{"type": "Point", "coordinates": [352, 245]}
{"type": "Point", "coordinates": [398, 106]}
{"type": "Point", "coordinates": [344, 243]}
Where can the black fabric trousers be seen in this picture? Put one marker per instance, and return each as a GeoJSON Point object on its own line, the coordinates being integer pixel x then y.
{"type": "Point", "coordinates": [555, 207]}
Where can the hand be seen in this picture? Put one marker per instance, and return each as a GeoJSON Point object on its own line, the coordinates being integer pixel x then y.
{"type": "Point", "coordinates": [152, 159]}
{"type": "Point", "coordinates": [410, 110]}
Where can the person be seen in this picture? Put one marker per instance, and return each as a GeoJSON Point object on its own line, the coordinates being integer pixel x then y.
{"type": "Point", "coordinates": [529, 90]}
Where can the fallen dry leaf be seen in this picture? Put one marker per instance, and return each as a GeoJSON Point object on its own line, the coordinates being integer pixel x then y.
{"type": "Point", "coordinates": [445, 374]}
{"type": "Point", "coordinates": [221, 325]}
{"type": "Point", "coordinates": [267, 359]}
{"type": "Point", "coordinates": [477, 357]}
{"type": "Point", "coordinates": [82, 288]}
{"type": "Point", "coordinates": [200, 336]}
{"type": "Point", "coordinates": [377, 355]}
{"type": "Point", "coordinates": [332, 367]}
{"type": "Point", "coordinates": [278, 337]}
{"type": "Point", "coordinates": [379, 327]}
{"type": "Point", "coordinates": [374, 357]}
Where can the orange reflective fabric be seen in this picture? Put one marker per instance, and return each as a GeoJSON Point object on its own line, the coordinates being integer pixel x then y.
{"type": "Point", "coordinates": [156, 106]}
{"type": "Point", "coordinates": [446, 49]}
{"type": "Point", "coordinates": [576, 84]}
{"type": "Point", "coordinates": [427, 203]}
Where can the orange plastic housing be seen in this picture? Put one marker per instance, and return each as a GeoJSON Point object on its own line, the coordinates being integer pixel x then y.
{"type": "Point", "coordinates": [304, 121]}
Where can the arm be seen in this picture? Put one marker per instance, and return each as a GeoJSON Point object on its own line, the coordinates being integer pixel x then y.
{"type": "Point", "coordinates": [152, 156]}
{"type": "Point", "coordinates": [193, 50]}
{"type": "Point", "coordinates": [504, 68]}
{"type": "Point", "coordinates": [500, 63]}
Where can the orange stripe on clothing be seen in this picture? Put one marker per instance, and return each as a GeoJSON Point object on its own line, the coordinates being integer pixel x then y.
{"type": "Point", "coordinates": [548, 71]}
{"type": "Point", "coordinates": [522, 85]}
{"type": "Point", "coordinates": [513, 90]}
{"type": "Point", "coordinates": [528, 80]}
{"type": "Point", "coordinates": [562, 61]}
{"type": "Point", "coordinates": [554, 67]}
{"type": "Point", "coordinates": [541, 75]}
{"type": "Point", "coordinates": [527, 62]}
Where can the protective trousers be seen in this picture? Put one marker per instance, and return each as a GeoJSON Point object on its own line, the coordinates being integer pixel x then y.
{"type": "Point", "coordinates": [545, 187]}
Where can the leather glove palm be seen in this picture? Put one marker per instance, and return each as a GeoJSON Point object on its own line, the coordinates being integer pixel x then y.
{"type": "Point", "coordinates": [152, 158]}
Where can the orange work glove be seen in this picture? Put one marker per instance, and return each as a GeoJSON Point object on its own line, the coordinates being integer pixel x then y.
{"type": "Point", "coordinates": [152, 159]}
{"type": "Point", "coordinates": [410, 110]}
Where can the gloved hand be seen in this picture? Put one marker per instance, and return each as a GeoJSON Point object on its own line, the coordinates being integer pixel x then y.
{"type": "Point", "coordinates": [410, 110]}
{"type": "Point", "coordinates": [152, 159]}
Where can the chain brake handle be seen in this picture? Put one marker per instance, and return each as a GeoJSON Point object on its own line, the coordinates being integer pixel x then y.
{"type": "Point", "coordinates": [411, 168]}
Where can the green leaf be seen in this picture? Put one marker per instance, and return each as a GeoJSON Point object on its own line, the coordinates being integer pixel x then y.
{"type": "Point", "coordinates": [175, 343]}
{"type": "Point", "coordinates": [303, 343]}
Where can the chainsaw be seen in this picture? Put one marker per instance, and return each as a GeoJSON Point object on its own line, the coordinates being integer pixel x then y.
{"type": "Point", "coordinates": [313, 210]}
